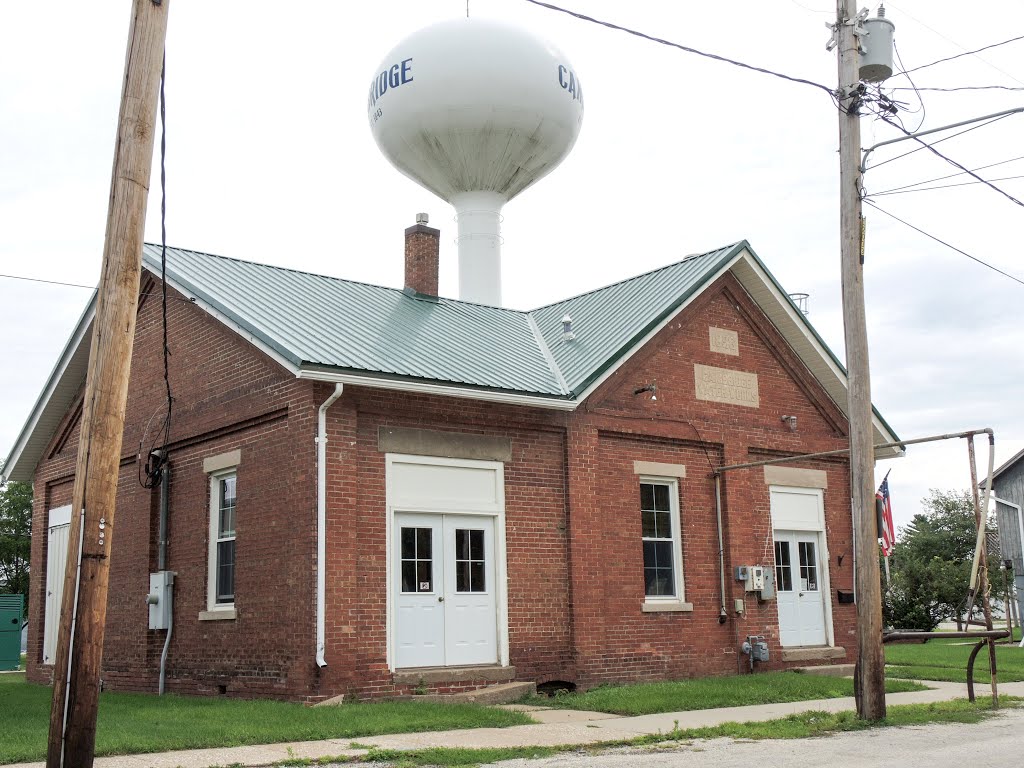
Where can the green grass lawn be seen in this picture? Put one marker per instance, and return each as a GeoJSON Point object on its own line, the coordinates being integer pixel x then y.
{"type": "Point", "coordinates": [712, 692]}
{"type": "Point", "coordinates": [947, 660]}
{"type": "Point", "coordinates": [131, 723]}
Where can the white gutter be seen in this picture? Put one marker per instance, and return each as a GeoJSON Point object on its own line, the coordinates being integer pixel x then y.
{"type": "Point", "coordinates": [398, 385]}
{"type": "Point", "coordinates": [321, 522]}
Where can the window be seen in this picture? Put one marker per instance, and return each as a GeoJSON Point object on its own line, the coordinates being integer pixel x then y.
{"type": "Point", "coordinates": [808, 567]}
{"type": "Point", "coordinates": [783, 563]}
{"type": "Point", "coordinates": [469, 560]}
{"type": "Point", "coordinates": [417, 560]}
{"type": "Point", "coordinates": [223, 495]}
{"type": "Point", "coordinates": [663, 561]}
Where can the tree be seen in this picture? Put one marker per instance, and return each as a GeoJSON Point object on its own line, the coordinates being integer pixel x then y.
{"type": "Point", "coordinates": [15, 537]}
{"type": "Point", "coordinates": [931, 563]}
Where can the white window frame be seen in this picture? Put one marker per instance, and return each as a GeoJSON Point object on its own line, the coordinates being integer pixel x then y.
{"type": "Point", "coordinates": [676, 602]}
{"type": "Point", "coordinates": [219, 610]}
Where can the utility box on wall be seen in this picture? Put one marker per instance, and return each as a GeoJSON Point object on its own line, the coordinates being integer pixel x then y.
{"type": "Point", "coordinates": [12, 607]}
{"type": "Point", "coordinates": [754, 577]}
{"type": "Point", "coordinates": [161, 584]}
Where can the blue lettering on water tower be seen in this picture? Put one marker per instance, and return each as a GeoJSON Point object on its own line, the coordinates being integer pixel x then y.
{"type": "Point", "coordinates": [394, 76]}
{"type": "Point", "coordinates": [570, 83]}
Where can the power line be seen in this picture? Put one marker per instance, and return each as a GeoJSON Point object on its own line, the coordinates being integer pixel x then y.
{"type": "Point", "coordinates": [934, 31]}
{"type": "Point", "coordinates": [952, 162]}
{"type": "Point", "coordinates": [965, 88]}
{"type": "Point", "coordinates": [662, 41]}
{"type": "Point", "coordinates": [917, 93]}
{"type": "Point", "coordinates": [51, 282]}
{"type": "Point", "coordinates": [965, 53]}
{"type": "Point", "coordinates": [951, 175]}
{"type": "Point", "coordinates": [943, 242]}
{"type": "Point", "coordinates": [941, 186]}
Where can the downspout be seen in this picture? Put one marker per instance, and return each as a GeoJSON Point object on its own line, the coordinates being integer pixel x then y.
{"type": "Point", "coordinates": [724, 614]}
{"type": "Point", "coordinates": [321, 522]}
{"type": "Point", "coordinates": [71, 640]}
{"type": "Point", "coordinates": [165, 481]}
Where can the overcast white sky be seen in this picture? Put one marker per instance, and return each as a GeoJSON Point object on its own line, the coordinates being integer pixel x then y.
{"type": "Point", "coordinates": [270, 159]}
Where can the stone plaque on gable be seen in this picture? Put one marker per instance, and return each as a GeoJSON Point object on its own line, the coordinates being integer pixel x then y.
{"type": "Point", "coordinates": [720, 385]}
{"type": "Point", "coordinates": [725, 341]}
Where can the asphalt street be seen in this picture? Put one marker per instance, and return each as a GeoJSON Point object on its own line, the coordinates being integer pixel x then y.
{"type": "Point", "coordinates": [997, 742]}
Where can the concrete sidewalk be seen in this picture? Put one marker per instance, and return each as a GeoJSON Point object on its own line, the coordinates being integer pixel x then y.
{"type": "Point", "coordinates": [554, 727]}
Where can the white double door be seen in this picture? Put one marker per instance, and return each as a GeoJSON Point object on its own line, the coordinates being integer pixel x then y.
{"type": "Point", "coordinates": [799, 590]}
{"type": "Point", "coordinates": [445, 592]}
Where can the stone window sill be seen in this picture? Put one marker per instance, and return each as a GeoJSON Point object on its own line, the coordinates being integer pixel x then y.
{"type": "Point", "coordinates": [221, 615]}
{"type": "Point", "coordinates": [667, 606]}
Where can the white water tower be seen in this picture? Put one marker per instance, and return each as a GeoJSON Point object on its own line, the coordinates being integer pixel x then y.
{"type": "Point", "coordinates": [475, 111]}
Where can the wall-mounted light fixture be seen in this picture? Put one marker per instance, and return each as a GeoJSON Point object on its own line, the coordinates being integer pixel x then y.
{"type": "Point", "coordinates": [791, 421]}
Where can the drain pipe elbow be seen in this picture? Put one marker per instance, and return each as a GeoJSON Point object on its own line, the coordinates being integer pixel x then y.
{"type": "Point", "coordinates": [321, 524]}
{"type": "Point", "coordinates": [167, 640]}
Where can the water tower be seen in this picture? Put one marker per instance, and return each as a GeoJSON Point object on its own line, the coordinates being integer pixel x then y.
{"type": "Point", "coordinates": [475, 111]}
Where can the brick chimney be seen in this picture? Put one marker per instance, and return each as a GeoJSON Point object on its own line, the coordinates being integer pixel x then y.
{"type": "Point", "coordinates": [422, 246]}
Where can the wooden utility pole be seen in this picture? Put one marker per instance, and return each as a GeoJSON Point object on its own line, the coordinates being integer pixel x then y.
{"type": "Point", "coordinates": [870, 682]}
{"type": "Point", "coordinates": [84, 608]}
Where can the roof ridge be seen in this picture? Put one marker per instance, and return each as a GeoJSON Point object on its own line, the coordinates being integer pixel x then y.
{"type": "Point", "coordinates": [637, 277]}
{"type": "Point", "coordinates": [548, 355]}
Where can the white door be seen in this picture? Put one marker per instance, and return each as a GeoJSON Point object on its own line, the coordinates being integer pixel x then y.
{"type": "Point", "coordinates": [446, 604]}
{"type": "Point", "coordinates": [798, 583]}
{"type": "Point", "coordinates": [58, 532]}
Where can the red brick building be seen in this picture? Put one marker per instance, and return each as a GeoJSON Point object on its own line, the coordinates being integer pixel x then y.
{"type": "Point", "coordinates": [373, 490]}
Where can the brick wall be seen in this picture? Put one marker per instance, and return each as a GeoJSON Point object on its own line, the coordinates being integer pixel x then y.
{"type": "Point", "coordinates": [574, 557]}
{"type": "Point", "coordinates": [228, 396]}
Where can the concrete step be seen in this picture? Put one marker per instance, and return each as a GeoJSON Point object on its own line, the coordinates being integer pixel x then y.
{"type": "Point", "coordinates": [503, 693]}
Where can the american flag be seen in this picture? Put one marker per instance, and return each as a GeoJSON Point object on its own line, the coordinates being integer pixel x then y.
{"type": "Point", "coordinates": [888, 531]}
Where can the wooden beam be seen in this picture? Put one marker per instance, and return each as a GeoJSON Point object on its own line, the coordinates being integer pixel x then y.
{"type": "Point", "coordinates": [84, 609]}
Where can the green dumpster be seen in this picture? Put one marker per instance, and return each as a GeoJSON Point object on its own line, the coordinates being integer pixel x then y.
{"type": "Point", "coordinates": [11, 609]}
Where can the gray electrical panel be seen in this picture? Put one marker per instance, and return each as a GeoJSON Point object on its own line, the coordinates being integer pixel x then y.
{"type": "Point", "coordinates": [159, 599]}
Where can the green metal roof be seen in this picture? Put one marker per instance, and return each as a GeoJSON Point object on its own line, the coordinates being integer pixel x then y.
{"type": "Point", "coordinates": [323, 322]}
{"type": "Point", "coordinates": [338, 330]}
{"type": "Point", "coordinates": [610, 321]}
{"type": "Point", "coordinates": [332, 324]}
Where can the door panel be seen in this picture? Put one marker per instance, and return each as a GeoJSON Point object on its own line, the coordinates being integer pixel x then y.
{"type": "Point", "coordinates": [445, 590]}
{"type": "Point", "coordinates": [471, 629]}
{"type": "Point", "coordinates": [56, 565]}
{"type": "Point", "coordinates": [799, 593]}
{"type": "Point", "coordinates": [419, 614]}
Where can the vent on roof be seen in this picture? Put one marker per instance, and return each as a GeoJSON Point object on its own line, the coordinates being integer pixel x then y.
{"type": "Point", "coordinates": [567, 333]}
